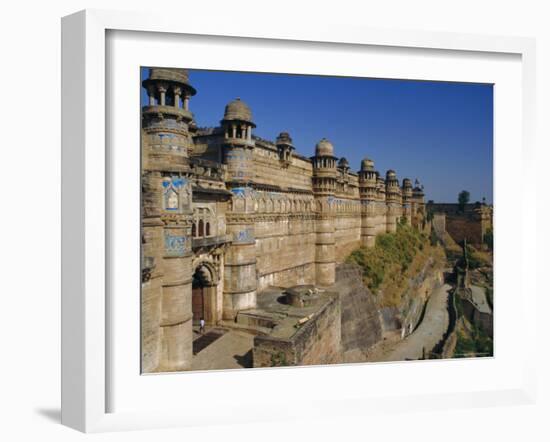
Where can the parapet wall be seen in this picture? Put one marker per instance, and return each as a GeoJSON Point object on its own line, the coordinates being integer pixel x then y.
{"type": "Point", "coordinates": [268, 171]}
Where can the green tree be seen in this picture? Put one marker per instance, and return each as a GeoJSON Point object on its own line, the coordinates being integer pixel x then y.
{"type": "Point", "coordinates": [463, 199]}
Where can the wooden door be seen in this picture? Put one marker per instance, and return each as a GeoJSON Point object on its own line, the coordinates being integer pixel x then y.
{"type": "Point", "coordinates": [198, 304]}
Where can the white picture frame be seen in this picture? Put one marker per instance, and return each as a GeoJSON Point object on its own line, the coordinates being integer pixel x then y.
{"type": "Point", "coordinates": [86, 317]}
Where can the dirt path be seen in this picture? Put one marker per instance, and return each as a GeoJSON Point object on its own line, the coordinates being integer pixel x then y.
{"type": "Point", "coordinates": [426, 336]}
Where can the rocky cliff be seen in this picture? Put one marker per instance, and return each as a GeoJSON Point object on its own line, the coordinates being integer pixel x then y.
{"type": "Point", "coordinates": [360, 323]}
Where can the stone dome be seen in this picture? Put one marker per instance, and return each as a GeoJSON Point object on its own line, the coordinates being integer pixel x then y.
{"type": "Point", "coordinates": [407, 183]}
{"type": "Point", "coordinates": [343, 162]}
{"type": "Point", "coordinates": [284, 138]}
{"type": "Point", "coordinates": [324, 148]}
{"type": "Point", "coordinates": [180, 75]}
{"type": "Point", "coordinates": [237, 110]}
{"type": "Point", "coordinates": [367, 164]}
{"type": "Point", "coordinates": [390, 174]}
{"type": "Point", "coordinates": [171, 75]}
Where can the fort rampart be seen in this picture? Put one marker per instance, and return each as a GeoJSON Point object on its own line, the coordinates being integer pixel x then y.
{"type": "Point", "coordinates": [226, 214]}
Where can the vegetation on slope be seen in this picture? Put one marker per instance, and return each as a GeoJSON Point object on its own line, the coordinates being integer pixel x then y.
{"type": "Point", "coordinates": [392, 261]}
{"type": "Point", "coordinates": [476, 258]}
{"type": "Point", "coordinates": [472, 341]}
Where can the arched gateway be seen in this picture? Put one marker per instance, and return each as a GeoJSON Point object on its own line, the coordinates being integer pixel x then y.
{"type": "Point", "coordinates": [205, 283]}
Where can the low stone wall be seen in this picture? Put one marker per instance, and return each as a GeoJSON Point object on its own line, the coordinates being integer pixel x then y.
{"type": "Point", "coordinates": [317, 342]}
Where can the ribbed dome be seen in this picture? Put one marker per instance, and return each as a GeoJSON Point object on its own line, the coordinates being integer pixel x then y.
{"type": "Point", "coordinates": [367, 164]}
{"type": "Point", "coordinates": [324, 148]}
{"type": "Point", "coordinates": [237, 110]}
{"type": "Point", "coordinates": [390, 174]}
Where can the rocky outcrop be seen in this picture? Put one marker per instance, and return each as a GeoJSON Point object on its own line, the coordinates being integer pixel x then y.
{"type": "Point", "coordinates": [360, 323]}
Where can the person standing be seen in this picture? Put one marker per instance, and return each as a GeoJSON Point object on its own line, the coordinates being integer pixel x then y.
{"type": "Point", "coordinates": [201, 323]}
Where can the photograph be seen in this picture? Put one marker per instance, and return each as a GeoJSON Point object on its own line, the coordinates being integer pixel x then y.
{"type": "Point", "coordinates": [298, 220]}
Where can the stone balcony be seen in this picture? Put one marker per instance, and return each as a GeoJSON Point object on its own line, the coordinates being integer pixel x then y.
{"type": "Point", "coordinates": [209, 241]}
{"type": "Point", "coordinates": [236, 141]}
{"type": "Point", "coordinates": [172, 110]}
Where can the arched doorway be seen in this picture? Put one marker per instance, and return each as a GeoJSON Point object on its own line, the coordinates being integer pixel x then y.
{"type": "Point", "coordinates": [203, 294]}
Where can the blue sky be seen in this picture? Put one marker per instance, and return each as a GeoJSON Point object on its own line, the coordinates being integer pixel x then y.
{"type": "Point", "coordinates": [438, 132]}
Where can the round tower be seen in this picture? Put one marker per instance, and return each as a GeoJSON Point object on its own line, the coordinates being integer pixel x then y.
{"type": "Point", "coordinates": [418, 205]}
{"type": "Point", "coordinates": [166, 117]}
{"type": "Point", "coordinates": [380, 223]}
{"type": "Point", "coordinates": [368, 196]}
{"type": "Point", "coordinates": [324, 185]}
{"type": "Point", "coordinates": [240, 279]}
{"type": "Point", "coordinates": [238, 145]}
{"type": "Point", "coordinates": [393, 201]}
{"type": "Point", "coordinates": [167, 340]}
{"type": "Point", "coordinates": [406, 192]}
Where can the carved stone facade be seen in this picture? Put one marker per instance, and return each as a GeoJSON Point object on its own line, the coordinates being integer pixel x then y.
{"type": "Point", "coordinates": [226, 214]}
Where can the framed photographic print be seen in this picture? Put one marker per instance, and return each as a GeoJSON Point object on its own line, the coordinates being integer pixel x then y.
{"type": "Point", "coordinates": [319, 216]}
{"type": "Point", "coordinates": [256, 255]}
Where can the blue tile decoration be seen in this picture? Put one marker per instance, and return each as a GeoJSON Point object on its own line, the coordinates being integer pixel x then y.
{"type": "Point", "coordinates": [239, 192]}
{"type": "Point", "coordinates": [173, 189]}
{"type": "Point", "coordinates": [243, 236]}
{"type": "Point", "coordinates": [179, 182]}
{"type": "Point", "coordinates": [175, 245]}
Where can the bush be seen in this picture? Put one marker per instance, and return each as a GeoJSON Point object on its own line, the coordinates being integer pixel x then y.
{"type": "Point", "coordinates": [473, 343]}
{"type": "Point", "coordinates": [392, 254]}
{"type": "Point", "coordinates": [475, 260]}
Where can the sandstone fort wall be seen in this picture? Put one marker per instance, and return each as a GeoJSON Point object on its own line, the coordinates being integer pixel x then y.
{"type": "Point", "coordinates": [226, 214]}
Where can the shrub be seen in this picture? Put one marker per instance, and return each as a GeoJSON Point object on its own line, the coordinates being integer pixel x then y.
{"type": "Point", "coordinates": [391, 256]}
{"type": "Point", "coordinates": [473, 343]}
